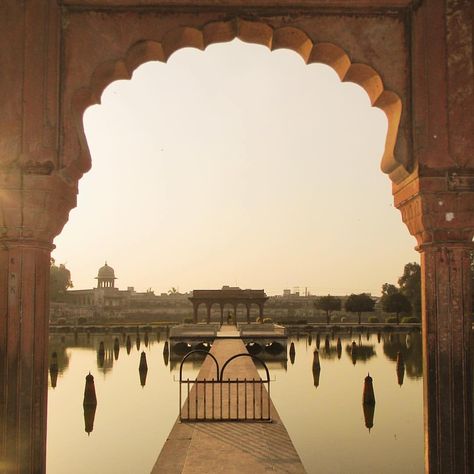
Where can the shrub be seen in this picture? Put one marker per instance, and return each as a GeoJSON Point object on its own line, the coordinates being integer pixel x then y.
{"type": "Point", "coordinates": [410, 319]}
{"type": "Point", "coordinates": [267, 320]}
{"type": "Point", "coordinates": [188, 320]}
{"type": "Point", "coordinates": [343, 319]}
{"type": "Point", "coordinates": [391, 319]}
{"type": "Point", "coordinates": [373, 319]}
{"type": "Point", "coordinates": [258, 320]}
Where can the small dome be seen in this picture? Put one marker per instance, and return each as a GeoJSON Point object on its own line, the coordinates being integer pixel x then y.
{"type": "Point", "coordinates": [106, 272]}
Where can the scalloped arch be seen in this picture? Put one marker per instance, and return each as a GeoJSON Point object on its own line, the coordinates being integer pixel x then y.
{"type": "Point", "coordinates": [251, 32]}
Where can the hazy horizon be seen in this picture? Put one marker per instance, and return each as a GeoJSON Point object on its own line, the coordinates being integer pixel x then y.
{"type": "Point", "coordinates": [236, 166]}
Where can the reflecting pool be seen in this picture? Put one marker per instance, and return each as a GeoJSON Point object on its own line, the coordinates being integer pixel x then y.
{"type": "Point", "coordinates": [322, 409]}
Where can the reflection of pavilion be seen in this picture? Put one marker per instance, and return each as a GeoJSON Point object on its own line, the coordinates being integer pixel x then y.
{"type": "Point", "coordinates": [227, 295]}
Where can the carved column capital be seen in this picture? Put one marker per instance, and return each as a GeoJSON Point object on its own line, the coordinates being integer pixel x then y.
{"type": "Point", "coordinates": [437, 209]}
{"type": "Point", "coordinates": [33, 207]}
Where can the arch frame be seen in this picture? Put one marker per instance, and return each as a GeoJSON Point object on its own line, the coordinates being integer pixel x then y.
{"type": "Point", "coordinates": [50, 49]}
{"type": "Point", "coordinates": [117, 60]}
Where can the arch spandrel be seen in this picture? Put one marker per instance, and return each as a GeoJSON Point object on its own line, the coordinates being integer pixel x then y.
{"type": "Point", "coordinates": [124, 49]}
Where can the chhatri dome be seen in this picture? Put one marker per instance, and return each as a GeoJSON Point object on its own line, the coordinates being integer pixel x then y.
{"type": "Point", "coordinates": [105, 277]}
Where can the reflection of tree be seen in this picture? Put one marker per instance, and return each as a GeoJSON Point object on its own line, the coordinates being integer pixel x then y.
{"type": "Point", "coordinates": [361, 352]}
{"type": "Point", "coordinates": [328, 352]}
{"type": "Point", "coordinates": [410, 347]}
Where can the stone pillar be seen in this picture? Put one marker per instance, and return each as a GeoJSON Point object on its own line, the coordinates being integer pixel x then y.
{"type": "Point", "coordinates": [248, 313]}
{"type": "Point", "coordinates": [208, 308]}
{"type": "Point", "coordinates": [24, 317]}
{"type": "Point", "coordinates": [260, 308]}
{"type": "Point", "coordinates": [442, 220]}
{"type": "Point", "coordinates": [222, 314]}
{"type": "Point", "coordinates": [195, 312]}
{"type": "Point", "coordinates": [446, 300]}
{"type": "Point", "coordinates": [235, 314]}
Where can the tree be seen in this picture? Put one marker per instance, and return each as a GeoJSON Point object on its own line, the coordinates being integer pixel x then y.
{"type": "Point", "coordinates": [328, 304]}
{"type": "Point", "coordinates": [410, 286]}
{"type": "Point", "coordinates": [59, 281]}
{"type": "Point", "coordinates": [359, 304]}
{"type": "Point", "coordinates": [389, 289]}
{"type": "Point", "coordinates": [396, 303]}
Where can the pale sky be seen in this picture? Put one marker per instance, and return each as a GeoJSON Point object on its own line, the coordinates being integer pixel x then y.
{"type": "Point", "coordinates": [238, 166]}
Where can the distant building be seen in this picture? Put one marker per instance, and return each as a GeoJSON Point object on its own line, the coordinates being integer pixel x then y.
{"type": "Point", "coordinates": [228, 295]}
{"type": "Point", "coordinates": [108, 301]}
{"type": "Point", "coordinates": [105, 296]}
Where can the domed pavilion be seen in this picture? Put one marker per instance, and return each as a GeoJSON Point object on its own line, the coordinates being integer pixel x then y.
{"type": "Point", "coordinates": [106, 277]}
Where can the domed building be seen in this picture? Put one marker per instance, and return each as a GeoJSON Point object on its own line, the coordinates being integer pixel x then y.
{"type": "Point", "coordinates": [105, 297]}
{"type": "Point", "coordinates": [105, 300]}
{"type": "Point", "coordinates": [106, 277]}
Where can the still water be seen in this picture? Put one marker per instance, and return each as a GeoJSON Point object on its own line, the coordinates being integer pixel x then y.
{"type": "Point", "coordinates": [324, 416]}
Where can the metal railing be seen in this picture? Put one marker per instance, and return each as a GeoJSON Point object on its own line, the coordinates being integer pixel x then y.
{"type": "Point", "coordinates": [220, 399]}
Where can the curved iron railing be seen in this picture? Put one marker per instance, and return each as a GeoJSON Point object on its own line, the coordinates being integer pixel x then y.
{"type": "Point", "coordinates": [202, 351]}
{"type": "Point", "coordinates": [245, 403]}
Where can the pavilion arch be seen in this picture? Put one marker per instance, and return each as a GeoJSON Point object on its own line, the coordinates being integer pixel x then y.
{"type": "Point", "coordinates": [142, 51]}
{"type": "Point", "coordinates": [201, 312]}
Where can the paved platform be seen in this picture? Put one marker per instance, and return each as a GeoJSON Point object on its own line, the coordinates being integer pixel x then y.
{"type": "Point", "coordinates": [229, 447]}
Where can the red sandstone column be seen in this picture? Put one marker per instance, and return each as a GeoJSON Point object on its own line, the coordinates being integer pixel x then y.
{"type": "Point", "coordinates": [446, 297]}
{"type": "Point", "coordinates": [441, 217]}
{"type": "Point", "coordinates": [24, 317]}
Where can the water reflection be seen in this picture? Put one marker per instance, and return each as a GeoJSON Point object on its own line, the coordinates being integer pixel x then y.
{"type": "Point", "coordinates": [143, 369]}
{"type": "Point", "coordinates": [166, 353]}
{"type": "Point", "coordinates": [316, 369]}
{"type": "Point", "coordinates": [409, 346]}
{"type": "Point", "coordinates": [300, 395]}
{"type": "Point", "coordinates": [400, 368]}
{"type": "Point", "coordinates": [368, 402]}
{"type": "Point", "coordinates": [89, 416]}
{"type": "Point", "coordinates": [369, 412]}
{"type": "Point", "coordinates": [316, 374]}
{"type": "Point", "coordinates": [89, 404]}
{"type": "Point", "coordinates": [339, 348]}
{"type": "Point", "coordinates": [101, 355]}
{"type": "Point", "coordinates": [292, 353]}
{"type": "Point", "coordinates": [327, 344]}
{"type": "Point", "coordinates": [116, 348]}
{"type": "Point", "coordinates": [53, 369]}
{"type": "Point", "coordinates": [360, 352]}
{"type": "Point", "coordinates": [62, 357]}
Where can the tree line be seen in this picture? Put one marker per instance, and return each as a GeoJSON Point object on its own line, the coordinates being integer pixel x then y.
{"type": "Point", "coordinates": [404, 299]}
